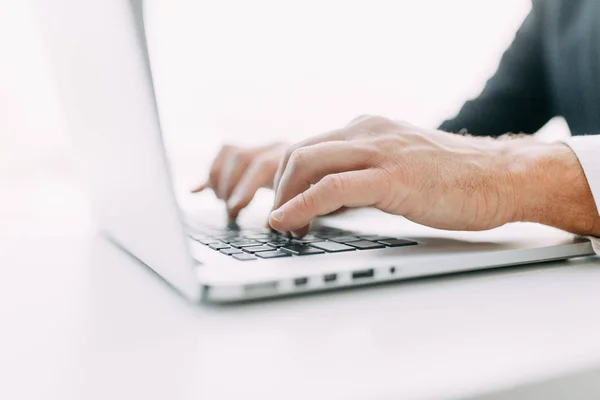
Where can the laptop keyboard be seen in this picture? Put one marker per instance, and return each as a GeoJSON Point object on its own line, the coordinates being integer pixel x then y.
{"type": "Point", "coordinates": [254, 244]}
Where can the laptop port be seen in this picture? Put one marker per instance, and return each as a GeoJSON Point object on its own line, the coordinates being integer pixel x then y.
{"type": "Point", "coordinates": [300, 281]}
{"type": "Point", "coordinates": [365, 273]}
{"type": "Point", "coordinates": [330, 278]}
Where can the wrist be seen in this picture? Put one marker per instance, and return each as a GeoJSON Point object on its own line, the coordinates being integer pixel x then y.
{"type": "Point", "coordinates": [548, 186]}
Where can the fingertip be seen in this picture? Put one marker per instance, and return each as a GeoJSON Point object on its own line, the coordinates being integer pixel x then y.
{"type": "Point", "coordinates": [276, 219]}
{"type": "Point", "coordinates": [282, 220]}
{"type": "Point", "coordinates": [232, 215]}
{"type": "Point", "coordinates": [300, 233]}
{"type": "Point", "coordinates": [235, 204]}
{"type": "Point", "coordinates": [200, 188]}
{"type": "Point", "coordinates": [233, 212]}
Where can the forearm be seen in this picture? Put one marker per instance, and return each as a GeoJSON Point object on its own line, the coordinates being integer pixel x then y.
{"type": "Point", "coordinates": [550, 187]}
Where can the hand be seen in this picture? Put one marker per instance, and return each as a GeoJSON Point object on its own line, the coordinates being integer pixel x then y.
{"type": "Point", "coordinates": [237, 173]}
{"type": "Point", "coordinates": [431, 177]}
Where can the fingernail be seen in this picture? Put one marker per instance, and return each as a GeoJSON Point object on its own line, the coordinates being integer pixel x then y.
{"type": "Point", "coordinates": [277, 215]}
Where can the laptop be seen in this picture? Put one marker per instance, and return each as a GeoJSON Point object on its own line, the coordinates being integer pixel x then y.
{"type": "Point", "coordinates": [100, 58]}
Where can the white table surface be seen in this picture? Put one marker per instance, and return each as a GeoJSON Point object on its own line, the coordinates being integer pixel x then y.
{"type": "Point", "coordinates": [81, 320]}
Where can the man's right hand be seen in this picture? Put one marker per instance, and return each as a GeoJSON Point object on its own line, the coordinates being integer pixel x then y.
{"type": "Point", "coordinates": [238, 172]}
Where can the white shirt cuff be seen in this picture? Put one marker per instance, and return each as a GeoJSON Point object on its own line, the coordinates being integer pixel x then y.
{"type": "Point", "coordinates": [595, 244]}
{"type": "Point", "coordinates": [587, 149]}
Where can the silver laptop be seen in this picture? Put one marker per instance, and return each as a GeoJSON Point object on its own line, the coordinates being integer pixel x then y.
{"type": "Point", "coordinates": [100, 58]}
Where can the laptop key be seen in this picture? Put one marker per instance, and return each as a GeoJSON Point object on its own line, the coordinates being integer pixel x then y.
{"type": "Point", "coordinates": [301, 249]}
{"type": "Point", "coordinates": [366, 245]}
{"type": "Point", "coordinates": [236, 239]}
{"type": "Point", "coordinates": [376, 238]}
{"type": "Point", "coordinates": [261, 237]}
{"type": "Point", "coordinates": [327, 235]}
{"type": "Point", "coordinates": [258, 249]}
{"type": "Point", "coordinates": [246, 243]}
{"type": "Point", "coordinates": [279, 243]}
{"type": "Point", "coordinates": [231, 235]}
{"type": "Point", "coordinates": [273, 254]}
{"type": "Point", "coordinates": [258, 231]}
{"type": "Point", "coordinates": [230, 251]}
{"type": "Point", "coordinates": [398, 242]}
{"type": "Point", "coordinates": [307, 239]}
{"type": "Point", "coordinates": [344, 239]}
{"type": "Point", "coordinates": [218, 246]}
{"type": "Point", "coordinates": [244, 257]}
{"type": "Point", "coordinates": [331, 247]}
{"type": "Point", "coordinates": [330, 229]}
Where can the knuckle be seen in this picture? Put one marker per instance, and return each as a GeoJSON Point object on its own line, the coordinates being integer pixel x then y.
{"type": "Point", "coordinates": [360, 118]}
{"type": "Point", "coordinates": [375, 121]}
{"type": "Point", "coordinates": [298, 158]}
{"type": "Point", "coordinates": [381, 124]}
{"type": "Point", "coordinates": [373, 126]}
{"type": "Point", "coordinates": [334, 183]}
{"type": "Point", "coordinates": [306, 201]}
{"type": "Point", "coordinates": [288, 153]}
{"type": "Point", "coordinates": [378, 119]}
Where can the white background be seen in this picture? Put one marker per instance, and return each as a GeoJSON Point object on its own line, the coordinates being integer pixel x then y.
{"type": "Point", "coordinates": [253, 71]}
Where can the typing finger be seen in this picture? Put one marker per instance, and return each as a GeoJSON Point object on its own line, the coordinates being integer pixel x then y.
{"type": "Point", "coordinates": [232, 169]}
{"type": "Point", "coordinates": [337, 135]}
{"type": "Point", "coordinates": [307, 165]}
{"type": "Point", "coordinates": [351, 189]}
{"type": "Point", "coordinates": [201, 188]}
{"type": "Point", "coordinates": [215, 169]}
{"type": "Point", "coordinates": [259, 174]}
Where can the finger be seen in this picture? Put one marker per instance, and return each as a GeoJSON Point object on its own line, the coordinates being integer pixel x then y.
{"type": "Point", "coordinates": [215, 169]}
{"type": "Point", "coordinates": [256, 176]}
{"type": "Point", "coordinates": [336, 135]}
{"type": "Point", "coordinates": [350, 189]}
{"type": "Point", "coordinates": [307, 165]}
{"type": "Point", "coordinates": [231, 171]}
{"type": "Point", "coordinates": [201, 188]}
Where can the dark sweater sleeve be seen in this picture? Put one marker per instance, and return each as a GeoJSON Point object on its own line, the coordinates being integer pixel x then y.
{"type": "Point", "coordinates": [516, 98]}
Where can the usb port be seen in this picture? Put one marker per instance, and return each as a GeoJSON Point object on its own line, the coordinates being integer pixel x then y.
{"type": "Point", "coordinates": [330, 278]}
{"type": "Point", "coordinates": [365, 273]}
{"type": "Point", "coordinates": [300, 281]}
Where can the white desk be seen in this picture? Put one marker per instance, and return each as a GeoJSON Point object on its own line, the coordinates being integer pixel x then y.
{"type": "Point", "coordinates": [81, 320]}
